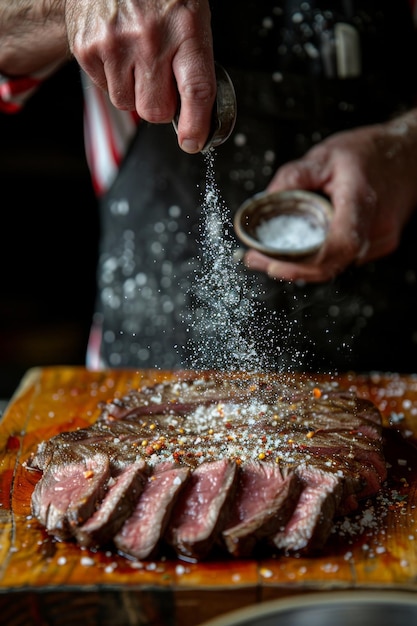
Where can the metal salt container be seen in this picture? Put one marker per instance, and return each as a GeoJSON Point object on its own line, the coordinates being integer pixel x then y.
{"type": "Point", "coordinates": [224, 111]}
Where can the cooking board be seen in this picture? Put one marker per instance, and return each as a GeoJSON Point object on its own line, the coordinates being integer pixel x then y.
{"type": "Point", "coordinates": [374, 548]}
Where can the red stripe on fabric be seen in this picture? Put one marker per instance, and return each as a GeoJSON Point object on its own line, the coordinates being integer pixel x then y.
{"type": "Point", "coordinates": [135, 117]}
{"type": "Point", "coordinates": [90, 154]}
{"type": "Point", "coordinates": [108, 129]}
{"type": "Point", "coordinates": [16, 86]}
{"type": "Point", "coordinates": [10, 107]}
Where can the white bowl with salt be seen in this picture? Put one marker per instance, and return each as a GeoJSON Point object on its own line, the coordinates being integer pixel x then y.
{"type": "Point", "coordinates": [284, 223]}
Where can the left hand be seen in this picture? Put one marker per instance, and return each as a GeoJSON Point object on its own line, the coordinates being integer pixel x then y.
{"type": "Point", "coordinates": [370, 177]}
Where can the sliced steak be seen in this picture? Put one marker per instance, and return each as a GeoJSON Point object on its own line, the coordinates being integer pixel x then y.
{"type": "Point", "coordinates": [202, 509]}
{"type": "Point", "coordinates": [265, 500]}
{"type": "Point", "coordinates": [121, 497]}
{"type": "Point", "coordinates": [233, 460]}
{"type": "Point", "coordinates": [69, 491]}
{"type": "Point", "coordinates": [141, 533]}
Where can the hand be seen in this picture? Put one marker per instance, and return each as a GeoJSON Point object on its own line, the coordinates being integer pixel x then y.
{"type": "Point", "coordinates": [148, 54]}
{"type": "Point", "coordinates": [370, 176]}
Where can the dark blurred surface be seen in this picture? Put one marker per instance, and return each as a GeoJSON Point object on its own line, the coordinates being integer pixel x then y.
{"type": "Point", "coordinates": [49, 232]}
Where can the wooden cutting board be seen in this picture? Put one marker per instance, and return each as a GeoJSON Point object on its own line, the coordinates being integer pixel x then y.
{"type": "Point", "coordinates": [47, 582]}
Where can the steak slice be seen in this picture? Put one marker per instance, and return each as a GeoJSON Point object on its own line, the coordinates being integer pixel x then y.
{"type": "Point", "coordinates": [141, 533]}
{"type": "Point", "coordinates": [311, 522]}
{"type": "Point", "coordinates": [201, 511]}
{"type": "Point", "coordinates": [122, 494]}
{"type": "Point", "coordinates": [69, 491]}
{"type": "Point", "coordinates": [265, 500]}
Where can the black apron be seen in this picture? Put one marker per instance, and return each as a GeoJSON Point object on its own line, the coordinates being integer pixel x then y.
{"type": "Point", "coordinates": [152, 249]}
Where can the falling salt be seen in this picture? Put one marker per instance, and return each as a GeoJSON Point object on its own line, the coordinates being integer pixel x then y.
{"type": "Point", "coordinates": [224, 307]}
{"type": "Point", "coordinates": [229, 322]}
{"type": "Point", "coordinates": [290, 232]}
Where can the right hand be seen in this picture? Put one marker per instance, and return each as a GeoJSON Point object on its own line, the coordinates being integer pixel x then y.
{"type": "Point", "coordinates": [147, 54]}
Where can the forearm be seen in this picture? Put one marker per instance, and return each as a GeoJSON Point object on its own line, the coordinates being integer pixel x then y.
{"type": "Point", "coordinates": [32, 35]}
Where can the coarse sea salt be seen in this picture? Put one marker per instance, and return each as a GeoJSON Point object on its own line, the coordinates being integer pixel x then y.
{"type": "Point", "coordinates": [290, 232]}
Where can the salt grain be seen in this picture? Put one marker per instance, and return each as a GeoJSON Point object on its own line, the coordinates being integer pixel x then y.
{"type": "Point", "coordinates": [266, 573]}
{"type": "Point", "coordinates": [330, 568]}
{"type": "Point", "coordinates": [110, 568]}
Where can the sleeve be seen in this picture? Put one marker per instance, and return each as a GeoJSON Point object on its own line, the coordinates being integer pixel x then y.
{"type": "Point", "coordinates": [15, 91]}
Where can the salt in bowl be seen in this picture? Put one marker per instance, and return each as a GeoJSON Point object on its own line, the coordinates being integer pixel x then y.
{"type": "Point", "coordinates": [289, 224]}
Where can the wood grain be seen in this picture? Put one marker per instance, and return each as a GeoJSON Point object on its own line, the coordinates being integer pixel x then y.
{"type": "Point", "coordinates": [41, 573]}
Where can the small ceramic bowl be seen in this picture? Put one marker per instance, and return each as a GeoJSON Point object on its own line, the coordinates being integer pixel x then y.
{"type": "Point", "coordinates": [290, 224]}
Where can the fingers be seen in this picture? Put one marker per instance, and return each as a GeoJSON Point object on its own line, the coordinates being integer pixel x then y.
{"type": "Point", "coordinates": [378, 248]}
{"type": "Point", "coordinates": [155, 101]}
{"type": "Point", "coordinates": [312, 270]}
{"type": "Point", "coordinates": [150, 57]}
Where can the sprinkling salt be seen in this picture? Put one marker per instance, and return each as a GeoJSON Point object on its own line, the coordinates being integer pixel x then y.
{"type": "Point", "coordinates": [290, 232]}
{"type": "Point", "coordinates": [87, 561]}
{"type": "Point", "coordinates": [222, 294]}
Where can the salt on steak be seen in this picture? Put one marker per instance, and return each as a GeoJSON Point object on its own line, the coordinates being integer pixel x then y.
{"type": "Point", "coordinates": [212, 463]}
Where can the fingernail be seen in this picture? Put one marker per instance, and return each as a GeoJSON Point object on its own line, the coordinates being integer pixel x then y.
{"type": "Point", "coordinates": [190, 145]}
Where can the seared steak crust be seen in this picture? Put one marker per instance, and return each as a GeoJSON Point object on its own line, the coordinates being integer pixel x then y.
{"type": "Point", "coordinates": [212, 460]}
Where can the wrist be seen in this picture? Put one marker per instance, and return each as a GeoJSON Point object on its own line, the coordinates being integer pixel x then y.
{"type": "Point", "coordinates": [32, 36]}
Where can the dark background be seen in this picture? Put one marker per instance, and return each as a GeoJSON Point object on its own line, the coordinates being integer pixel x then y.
{"type": "Point", "coordinates": [49, 232]}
